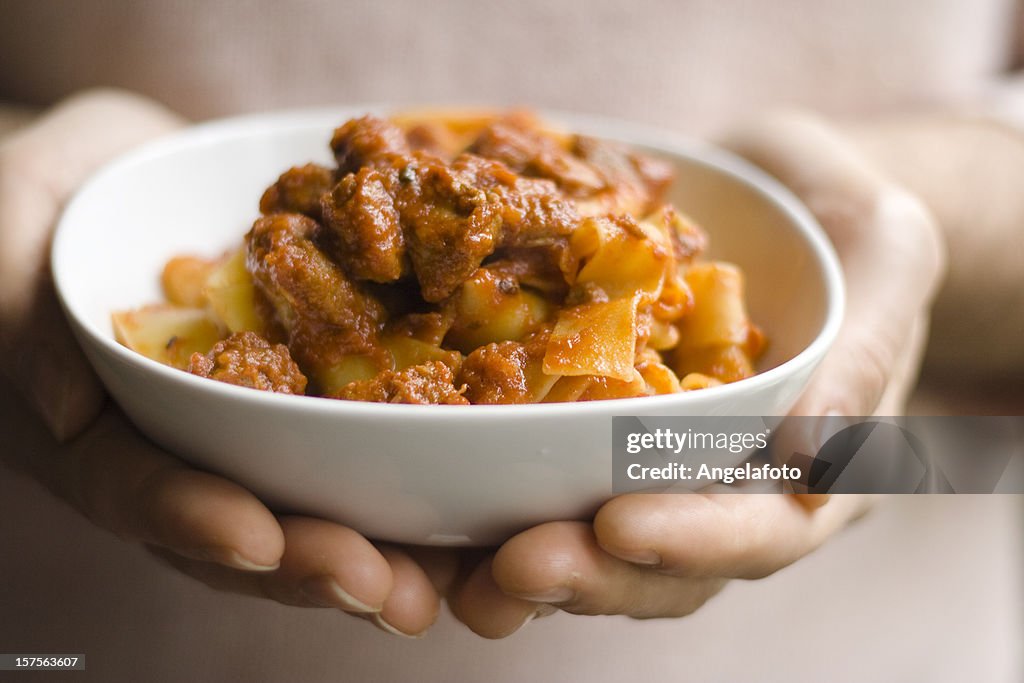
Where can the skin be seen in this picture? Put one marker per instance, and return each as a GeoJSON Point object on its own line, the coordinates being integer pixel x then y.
{"type": "Point", "coordinates": [643, 556]}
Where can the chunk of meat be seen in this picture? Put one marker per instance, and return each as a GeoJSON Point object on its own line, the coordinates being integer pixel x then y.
{"type": "Point", "coordinates": [544, 268]}
{"type": "Point", "coordinates": [508, 372]}
{"type": "Point", "coordinates": [364, 230]}
{"type": "Point", "coordinates": [632, 183]}
{"type": "Point", "coordinates": [496, 374]}
{"type": "Point", "coordinates": [249, 360]}
{"type": "Point", "coordinates": [429, 383]}
{"type": "Point", "coordinates": [360, 142]}
{"type": "Point", "coordinates": [533, 212]}
{"type": "Point", "coordinates": [456, 215]}
{"type": "Point", "coordinates": [326, 315]}
{"type": "Point", "coordinates": [518, 142]}
{"type": "Point", "coordinates": [451, 224]}
{"type": "Point", "coordinates": [687, 238]}
{"type": "Point", "coordinates": [298, 190]}
{"type": "Point", "coordinates": [429, 328]}
{"type": "Point", "coordinates": [434, 138]}
{"type": "Point", "coordinates": [603, 176]}
{"type": "Point", "coordinates": [444, 218]}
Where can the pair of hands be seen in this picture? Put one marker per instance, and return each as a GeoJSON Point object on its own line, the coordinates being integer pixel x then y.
{"type": "Point", "coordinates": [643, 555]}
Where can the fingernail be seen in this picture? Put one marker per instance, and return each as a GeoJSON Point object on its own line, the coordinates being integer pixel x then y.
{"type": "Point", "coordinates": [325, 591]}
{"type": "Point", "coordinates": [229, 558]}
{"type": "Point", "coordinates": [543, 611]}
{"type": "Point", "coordinates": [379, 622]}
{"type": "Point", "coordinates": [647, 558]}
{"type": "Point", "coordinates": [239, 562]}
{"type": "Point", "coordinates": [813, 501]}
{"type": "Point", "coordinates": [556, 595]}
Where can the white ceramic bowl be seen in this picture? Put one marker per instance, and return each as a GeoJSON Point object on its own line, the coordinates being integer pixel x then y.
{"type": "Point", "coordinates": [440, 475]}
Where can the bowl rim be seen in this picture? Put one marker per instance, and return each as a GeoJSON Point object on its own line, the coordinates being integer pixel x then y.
{"type": "Point", "coordinates": [635, 134]}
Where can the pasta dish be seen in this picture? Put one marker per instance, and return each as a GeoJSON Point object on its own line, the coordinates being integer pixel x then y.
{"type": "Point", "coordinates": [460, 259]}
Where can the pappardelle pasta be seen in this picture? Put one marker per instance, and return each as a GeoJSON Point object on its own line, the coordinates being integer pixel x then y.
{"type": "Point", "coordinates": [457, 259]}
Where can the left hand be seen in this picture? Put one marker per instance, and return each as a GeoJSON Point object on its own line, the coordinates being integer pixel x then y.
{"type": "Point", "coordinates": [665, 555]}
{"type": "Point", "coordinates": [62, 432]}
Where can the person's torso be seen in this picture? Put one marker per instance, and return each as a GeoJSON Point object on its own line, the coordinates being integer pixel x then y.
{"type": "Point", "coordinates": [691, 65]}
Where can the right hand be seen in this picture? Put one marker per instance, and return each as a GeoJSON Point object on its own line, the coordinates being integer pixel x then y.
{"type": "Point", "coordinates": [91, 457]}
{"type": "Point", "coordinates": [665, 555]}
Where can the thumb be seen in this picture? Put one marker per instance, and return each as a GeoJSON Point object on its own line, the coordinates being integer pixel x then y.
{"type": "Point", "coordinates": [893, 259]}
{"type": "Point", "coordinates": [890, 249]}
{"type": "Point", "coordinates": [40, 167]}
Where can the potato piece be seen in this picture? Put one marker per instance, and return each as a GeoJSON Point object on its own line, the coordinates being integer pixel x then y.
{"type": "Point", "coordinates": [490, 307]}
{"type": "Point", "coordinates": [398, 352]}
{"type": "Point", "coordinates": [716, 338]}
{"type": "Point", "coordinates": [167, 334]}
{"type": "Point", "coordinates": [695, 381]}
{"type": "Point", "coordinates": [726, 363]}
{"type": "Point", "coordinates": [350, 369]}
{"type": "Point", "coordinates": [232, 295]}
{"type": "Point", "coordinates": [719, 315]}
{"type": "Point", "coordinates": [184, 279]}
{"type": "Point", "coordinates": [406, 352]}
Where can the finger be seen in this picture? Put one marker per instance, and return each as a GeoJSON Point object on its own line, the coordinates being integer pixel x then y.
{"type": "Point", "coordinates": [889, 246]}
{"type": "Point", "coordinates": [967, 169]}
{"type": "Point", "coordinates": [734, 535]}
{"type": "Point", "coordinates": [807, 437]}
{"type": "Point", "coordinates": [217, 576]}
{"type": "Point", "coordinates": [413, 605]}
{"type": "Point", "coordinates": [441, 565]}
{"type": "Point", "coordinates": [126, 485]}
{"type": "Point", "coordinates": [482, 606]}
{"type": "Point", "coordinates": [217, 532]}
{"type": "Point", "coordinates": [47, 367]}
{"type": "Point", "coordinates": [85, 131]}
{"type": "Point", "coordinates": [410, 608]}
{"type": "Point", "coordinates": [229, 580]}
{"type": "Point", "coordinates": [904, 373]}
{"type": "Point", "coordinates": [39, 168]}
{"type": "Point", "coordinates": [561, 563]}
{"type": "Point", "coordinates": [327, 564]}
